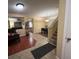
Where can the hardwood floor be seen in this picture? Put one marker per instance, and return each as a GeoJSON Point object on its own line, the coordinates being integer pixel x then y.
{"type": "Point", "coordinates": [24, 43]}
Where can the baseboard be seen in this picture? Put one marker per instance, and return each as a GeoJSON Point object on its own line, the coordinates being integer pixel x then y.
{"type": "Point", "coordinates": [57, 57]}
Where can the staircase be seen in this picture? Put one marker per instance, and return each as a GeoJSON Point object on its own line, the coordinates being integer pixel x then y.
{"type": "Point", "coordinates": [53, 39]}
{"type": "Point", "coordinates": [52, 32]}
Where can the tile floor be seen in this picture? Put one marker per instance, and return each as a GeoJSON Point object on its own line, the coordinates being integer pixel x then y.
{"type": "Point", "coordinates": [26, 54]}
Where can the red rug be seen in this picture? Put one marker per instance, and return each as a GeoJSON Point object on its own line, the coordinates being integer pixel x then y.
{"type": "Point", "coordinates": [23, 44]}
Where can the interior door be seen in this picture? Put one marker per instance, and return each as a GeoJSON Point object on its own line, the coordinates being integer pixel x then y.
{"type": "Point", "coordinates": [67, 31]}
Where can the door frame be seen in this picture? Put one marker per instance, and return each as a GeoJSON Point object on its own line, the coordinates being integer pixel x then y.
{"type": "Point", "coordinates": [61, 40]}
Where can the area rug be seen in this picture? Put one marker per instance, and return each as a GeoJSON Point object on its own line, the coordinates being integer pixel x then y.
{"type": "Point", "coordinates": [22, 45]}
{"type": "Point", "coordinates": [43, 50]}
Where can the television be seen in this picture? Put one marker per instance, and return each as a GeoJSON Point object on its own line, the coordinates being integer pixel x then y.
{"type": "Point", "coordinates": [18, 25]}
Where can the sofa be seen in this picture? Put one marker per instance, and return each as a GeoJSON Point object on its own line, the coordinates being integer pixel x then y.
{"type": "Point", "coordinates": [21, 32]}
{"type": "Point", "coordinates": [13, 36]}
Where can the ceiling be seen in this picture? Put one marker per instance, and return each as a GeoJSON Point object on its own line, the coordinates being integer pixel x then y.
{"type": "Point", "coordinates": [41, 8]}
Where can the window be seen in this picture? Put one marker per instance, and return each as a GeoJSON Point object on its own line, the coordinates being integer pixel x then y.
{"type": "Point", "coordinates": [30, 24]}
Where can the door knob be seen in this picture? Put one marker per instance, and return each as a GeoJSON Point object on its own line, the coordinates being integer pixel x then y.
{"type": "Point", "coordinates": [68, 39]}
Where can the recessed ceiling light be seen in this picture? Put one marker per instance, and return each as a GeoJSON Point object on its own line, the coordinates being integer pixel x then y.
{"type": "Point", "coordinates": [20, 5]}
{"type": "Point", "coordinates": [46, 20]}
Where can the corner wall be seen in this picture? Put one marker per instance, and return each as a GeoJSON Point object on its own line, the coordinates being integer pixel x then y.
{"type": "Point", "coordinates": [60, 28]}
